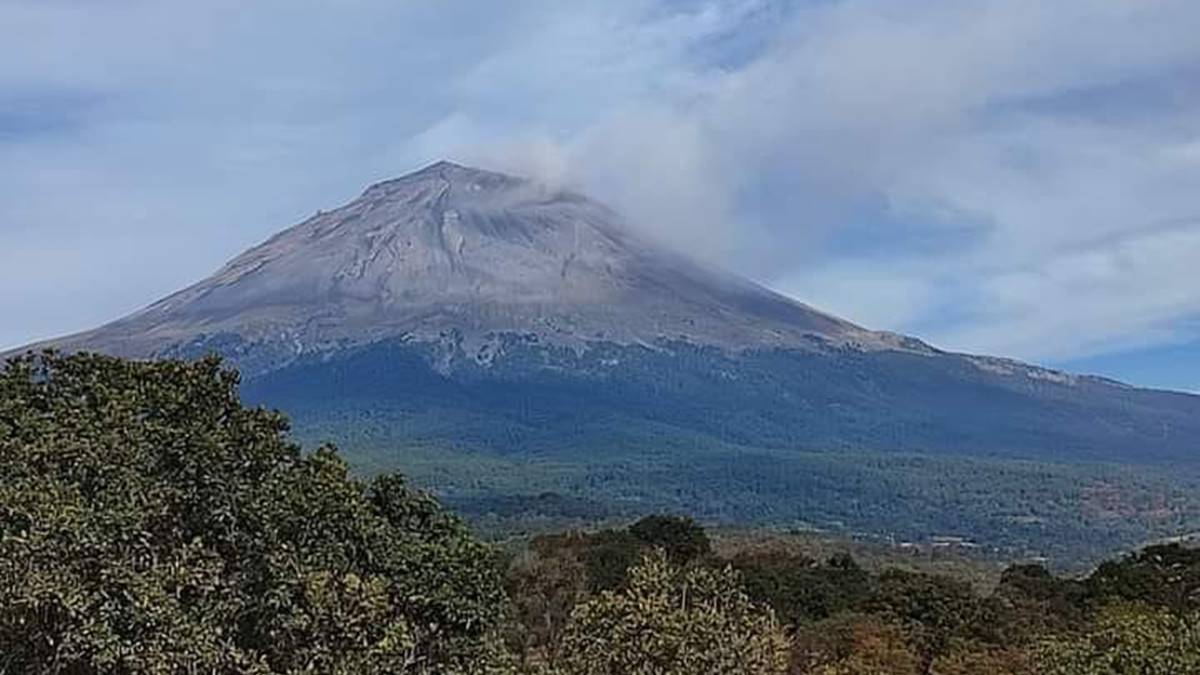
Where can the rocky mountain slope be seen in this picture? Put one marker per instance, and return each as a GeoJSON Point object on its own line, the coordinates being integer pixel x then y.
{"type": "Point", "coordinates": [450, 249]}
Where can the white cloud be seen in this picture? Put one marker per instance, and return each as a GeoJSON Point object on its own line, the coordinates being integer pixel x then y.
{"type": "Point", "coordinates": [1029, 117]}
{"type": "Point", "coordinates": [1002, 176]}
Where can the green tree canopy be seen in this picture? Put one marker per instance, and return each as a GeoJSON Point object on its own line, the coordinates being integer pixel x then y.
{"type": "Point", "coordinates": [1165, 575]}
{"type": "Point", "coordinates": [1128, 639]}
{"type": "Point", "coordinates": [682, 538]}
{"type": "Point", "coordinates": [151, 523]}
{"type": "Point", "coordinates": [668, 621]}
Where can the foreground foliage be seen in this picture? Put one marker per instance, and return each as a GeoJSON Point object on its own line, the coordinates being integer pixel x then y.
{"type": "Point", "coordinates": [1133, 616]}
{"type": "Point", "coordinates": [150, 523]}
{"type": "Point", "coordinates": [668, 621]}
{"type": "Point", "coordinates": [1128, 639]}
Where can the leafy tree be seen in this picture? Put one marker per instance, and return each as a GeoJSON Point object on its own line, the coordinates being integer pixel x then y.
{"type": "Point", "coordinates": [853, 644]}
{"type": "Point", "coordinates": [1030, 603]}
{"type": "Point", "coordinates": [544, 585]}
{"type": "Point", "coordinates": [682, 538]}
{"type": "Point", "coordinates": [936, 612]}
{"type": "Point", "coordinates": [799, 589]}
{"type": "Point", "coordinates": [669, 621]}
{"type": "Point", "coordinates": [986, 661]}
{"type": "Point", "coordinates": [150, 523]}
{"type": "Point", "coordinates": [608, 555]}
{"type": "Point", "coordinates": [1165, 575]}
{"type": "Point", "coordinates": [1128, 639]}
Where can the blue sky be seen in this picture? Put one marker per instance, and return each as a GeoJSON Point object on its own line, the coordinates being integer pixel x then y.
{"type": "Point", "coordinates": [1000, 176]}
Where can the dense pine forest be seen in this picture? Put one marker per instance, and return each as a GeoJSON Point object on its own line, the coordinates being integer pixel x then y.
{"type": "Point", "coordinates": [549, 436]}
{"type": "Point", "coordinates": [152, 523]}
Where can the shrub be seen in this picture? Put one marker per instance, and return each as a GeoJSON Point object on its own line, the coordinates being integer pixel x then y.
{"type": "Point", "coordinates": [151, 523]}
{"type": "Point", "coordinates": [669, 621]}
{"type": "Point", "coordinates": [1128, 639]}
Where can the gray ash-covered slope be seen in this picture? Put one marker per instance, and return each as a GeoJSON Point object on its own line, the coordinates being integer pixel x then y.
{"type": "Point", "coordinates": [450, 250]}
{"type": "Point", "coordinates": [486, 311]}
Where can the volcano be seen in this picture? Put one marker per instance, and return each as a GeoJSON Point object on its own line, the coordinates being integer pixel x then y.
{"type": "Point", "coordinates": [480, 255]}
{"type": "Point", "coordinates": [477, 315]}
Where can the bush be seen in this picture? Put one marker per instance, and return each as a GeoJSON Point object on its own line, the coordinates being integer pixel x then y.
{"type": "Point", "coordinates": [1166, 575]}
{"type": "Point", "coordinates": [681, 538]}
{"type": "Point", "coordinates": [853, 644]}
{"type": "Point", "coordinates": [150, 523]}
{"type": "Point", "coordinates": [1128, 639]}
{"type": "Point", "coordinates": [669, 621]}
{"type": "Point", "coordinates": [801, 590]}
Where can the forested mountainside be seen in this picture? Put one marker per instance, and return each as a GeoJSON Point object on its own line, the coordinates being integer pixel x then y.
{"type": "Point", "coordinates": [877, 442]}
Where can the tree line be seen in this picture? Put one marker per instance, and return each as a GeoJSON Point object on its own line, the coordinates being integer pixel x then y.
{"type": "Point", "coordinates": [151, 523]}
